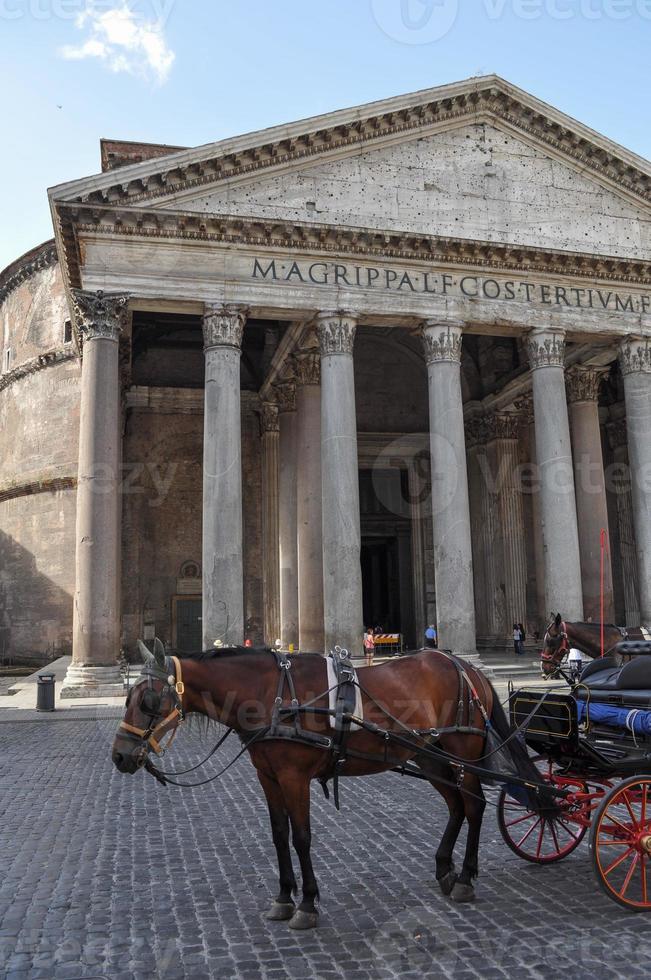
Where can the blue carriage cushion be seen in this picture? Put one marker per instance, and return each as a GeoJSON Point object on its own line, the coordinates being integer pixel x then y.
{"type": "Point", "coordinates": [634, 720]}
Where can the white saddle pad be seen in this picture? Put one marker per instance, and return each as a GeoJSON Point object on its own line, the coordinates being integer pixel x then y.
{"type": "Point", "coordinates": [332, 696]}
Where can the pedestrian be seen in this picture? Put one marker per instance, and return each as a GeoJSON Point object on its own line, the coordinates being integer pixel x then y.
{"type": "Point", "coordinates": [369, 646]}
{"type": "Point", "coordinates": [431, 637]}
{"type": "Point", "coordinates": [516, 639]}
{"type": "Point", "coordinates": [523, 636]}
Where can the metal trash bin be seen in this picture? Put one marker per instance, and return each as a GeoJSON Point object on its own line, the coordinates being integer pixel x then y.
{"type": "Point", "coordinates": [45, 692]}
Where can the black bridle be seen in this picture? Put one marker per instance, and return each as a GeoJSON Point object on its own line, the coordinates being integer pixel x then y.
{"type": "Point", "coordinates": [560, 645]}
{"type": "Point", "coordinates": [151, 704]}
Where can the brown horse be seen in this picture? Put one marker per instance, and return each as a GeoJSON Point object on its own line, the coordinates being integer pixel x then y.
{"type": "Point", "coordinates": [415, 697]}
{"type": "Point", "coordinates": [560, 637]}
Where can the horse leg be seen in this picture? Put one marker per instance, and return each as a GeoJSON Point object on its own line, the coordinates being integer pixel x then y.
{"type": "Point", "coordinates": [474, 804]}
{"type": "Point", "coordinates": [296, 793]}
{"type": "Point", "coordinates": [283, 907]}
{"type": "Point", "coordinates": [445, 871]}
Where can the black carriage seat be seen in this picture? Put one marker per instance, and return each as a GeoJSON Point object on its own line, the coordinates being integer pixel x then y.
{"type": "Point", "coordinates": [611, 682]}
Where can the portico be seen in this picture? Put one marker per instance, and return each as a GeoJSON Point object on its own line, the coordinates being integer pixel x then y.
{"type": "Point", "coordinates": [344, 337]}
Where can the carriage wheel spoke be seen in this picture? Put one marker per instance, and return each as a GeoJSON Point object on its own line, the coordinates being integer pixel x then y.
{"type": "Point", "coordinates": [555, 838]}
{"type": "Point", "coordinates": [527, 816]}
{"type": "Point", "coordinates": [627, 803]}
{"type": "Point", "coordinates": [645, 899]}
{"type": "Point", "coordinates": [567, 829]}
{"type": "Point", "coordinates": [529, 832]}
{"type": "Point", "coordinates": [629, 874]}
{"type": "Point", "coordinates": [623, 826]}
{"type": "Point", "coordinates": [643, 806]}
{"type": "Point", "coordinates": [540, 839]}
{"type": "Point", "coordinates": [616, 863]}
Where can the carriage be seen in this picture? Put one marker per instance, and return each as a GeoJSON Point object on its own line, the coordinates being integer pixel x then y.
{"type": "Point", "coordinates": [592, 745]}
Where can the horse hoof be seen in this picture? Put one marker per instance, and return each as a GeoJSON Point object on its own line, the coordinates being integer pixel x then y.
{"type": "Point", "coordinates": [448, 881]}
{"type": "Point", "coordinates": [304, 920]}
{"type": "Point", "coordinates": [280, 911]}
{"type": "Point", "coordinates": [462, 893]}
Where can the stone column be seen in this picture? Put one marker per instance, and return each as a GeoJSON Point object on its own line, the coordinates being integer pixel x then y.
{"type": "Point", "coordinates": [286, 400]}
{"type": "Point", "coordinates": [96, 614]}
{"type": "Point", "coordinates": [418, 491]}
{"type": "Point", "coordinates": [583, 385]}
{"type": "Point", "coordinates": [622, 490]}
{"type": "Point", "coordinates": [505, 431]}
{"type": "Point", "coordinates": [308, 500]}
{"type": "Point", "coordinates": [223, 592]}
{"type": "Point", "coordinates": [546, 350]}
{"type": "Point", "coordinates": [450, 507]}
{"type": "Point", "coordinates": [475, 438]}
{"type": "Point", "coordinates": [269, 429]}
{"type": "Point", "coordinates": [524, 406]}
{"type": "Point", "coordinates": [635, 362]}
{"type": "Point", "coordinates": [342, 573]}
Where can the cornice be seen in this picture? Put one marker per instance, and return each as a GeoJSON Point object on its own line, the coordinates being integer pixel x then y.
{"type": "Point", "coordinates": [48, 359]}
{"type": "Point", "coordinates": [33, 261]}
{"type": "Point", "coordinates": [48, 484]}
{"type": "Point", "coordinates": [377, 123]}
{"type": "Point", "coordinates": [80, 220]}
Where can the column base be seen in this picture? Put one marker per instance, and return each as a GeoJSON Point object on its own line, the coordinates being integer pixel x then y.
{"type": "Point", "coordinates": [474, 660]}
{"type": "Point", "coordinates": [92, 682]}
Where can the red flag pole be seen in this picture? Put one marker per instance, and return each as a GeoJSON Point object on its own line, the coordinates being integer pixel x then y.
{"type": "Point", "coordinates": [601, 572]}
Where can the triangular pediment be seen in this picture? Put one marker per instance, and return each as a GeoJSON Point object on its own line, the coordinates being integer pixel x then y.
{"type": "Point", "coordinates": [477, 181]}
{"type": "Point", "coordinates": [478, 160]}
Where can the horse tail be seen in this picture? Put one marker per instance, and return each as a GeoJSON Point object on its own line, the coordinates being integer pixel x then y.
{"type": "Point", "coordinates": [540, 801]}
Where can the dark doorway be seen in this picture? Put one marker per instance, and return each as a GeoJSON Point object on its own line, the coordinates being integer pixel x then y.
{"type": "Point", "coordinates": [386, 552]}
{"type": "Point", "coordinates": [381, 584]}
{"type": "Point", "coordinates": [188, 625]}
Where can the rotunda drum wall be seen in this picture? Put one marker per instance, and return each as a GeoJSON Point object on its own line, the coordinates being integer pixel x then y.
{"type": "Point", "coordinates": [33, 317]}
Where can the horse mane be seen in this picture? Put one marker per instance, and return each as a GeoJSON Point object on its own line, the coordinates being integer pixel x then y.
{"type": "Point", "coordinates": [597, 626]}
{"type": "Point", "coordinates": [219, 653]}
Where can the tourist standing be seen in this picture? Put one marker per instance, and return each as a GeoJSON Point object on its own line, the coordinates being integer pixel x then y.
{"type": "Point", "coordinates": [369, 646]}
{"type": "Point", "coordinates": [431, 637]}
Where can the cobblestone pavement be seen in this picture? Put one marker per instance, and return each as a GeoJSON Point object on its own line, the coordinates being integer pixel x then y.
{"type": "Point", "coordinates": [106, 875]}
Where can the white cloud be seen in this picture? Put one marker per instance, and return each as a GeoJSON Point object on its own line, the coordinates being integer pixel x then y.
{"type": "Point", "coordinates": [124, 39]}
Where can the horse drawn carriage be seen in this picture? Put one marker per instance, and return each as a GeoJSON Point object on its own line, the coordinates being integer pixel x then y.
{"type": "Point", "coordinates": [592, 745]}
{"type": "Point", "coordinates": [430, 716]}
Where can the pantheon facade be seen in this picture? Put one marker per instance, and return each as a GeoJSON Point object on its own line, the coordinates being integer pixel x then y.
{"type": "Point", "coordinates": [386, 366]}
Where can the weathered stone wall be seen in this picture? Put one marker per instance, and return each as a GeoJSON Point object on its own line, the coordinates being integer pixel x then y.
{"type": "Point", "coordinates": [39, 426]}
{"type": "Point", "coordinates": [162, 508]}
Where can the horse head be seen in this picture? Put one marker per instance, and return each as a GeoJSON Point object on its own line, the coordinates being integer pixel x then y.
{"type": "Point", "coordinates": [556, 645]}
{"type": "Point", "coordinates": [154, 708]}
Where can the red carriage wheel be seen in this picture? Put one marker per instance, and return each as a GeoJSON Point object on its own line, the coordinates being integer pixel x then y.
{"type": "Point", "coordinates": [533, 837]}
{"type": "Point", "coordinates": [620, 841]}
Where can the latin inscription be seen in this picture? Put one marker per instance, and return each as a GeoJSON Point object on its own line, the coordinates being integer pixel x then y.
{"type": "Point", "coordinates": [444, 284]}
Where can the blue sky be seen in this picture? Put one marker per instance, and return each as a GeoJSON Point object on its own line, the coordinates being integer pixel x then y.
{"type": "Point", "coordinates": [191, 71]}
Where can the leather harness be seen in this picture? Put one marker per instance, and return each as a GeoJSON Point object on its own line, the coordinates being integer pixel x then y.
{"type": "Point", "coordinates": [175, 686]}
{"type": "Point", "coordinates": [286, 715]}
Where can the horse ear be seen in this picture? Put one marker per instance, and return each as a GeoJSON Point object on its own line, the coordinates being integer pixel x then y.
{"type": "Point", "coordinates": [145, 653]}
{"type": "Point", "coordinates": [159, 652]}
{"type": "Point", "coordinates": [559, 619]}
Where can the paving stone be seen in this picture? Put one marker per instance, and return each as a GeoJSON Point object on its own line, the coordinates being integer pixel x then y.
{"type": "Point", "coordinates": [113, 876]}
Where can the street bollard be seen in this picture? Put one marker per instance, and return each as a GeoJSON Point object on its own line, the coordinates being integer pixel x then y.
{"type": "Point", "coordinates": [45, 692]}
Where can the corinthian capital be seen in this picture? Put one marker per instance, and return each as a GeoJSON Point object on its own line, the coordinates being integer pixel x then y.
{"type": "Point", "coordinates": [336, 333]}
{"type": "Point", "coordinates": [286, 396]}
{"type": "Point", "coordinates": [583, 384]}
{"type": "Point", "coordinates": [223, 326]}
{"type": "Point", "coordinates": [442, 341]}
{"type": "Point", "coordinates": [503, 425]}
{"type": "Point", "coordinates": [546, 348]}
{"type": "Point", "coordinates": [635, 355]}
{"type": "Point", "coordinates": [100, 315]}
{"type": "Point", "coordinates": [269, 417]}
{"type": "Point", "coordinates": [308, 367]}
